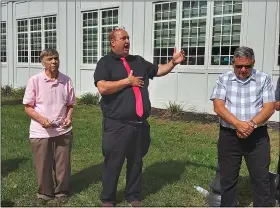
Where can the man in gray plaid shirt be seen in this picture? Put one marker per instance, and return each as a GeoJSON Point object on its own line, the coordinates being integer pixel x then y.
{"type": "Point", "coordinates": [244, 101]}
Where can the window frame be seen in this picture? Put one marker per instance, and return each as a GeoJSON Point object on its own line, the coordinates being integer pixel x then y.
{"type": "Point", "coordinates": [6, 58]}
{"type": "Point", "coordinates": [208, 41]}
{"type": "Point", "coordinates": [42, 31]}
{"type": "Point", "coordinates": [277, 40]}
{"type": "Point", "coordinates": [99, 32]}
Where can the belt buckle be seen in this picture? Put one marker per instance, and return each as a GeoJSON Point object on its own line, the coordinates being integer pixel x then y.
{"type": "Point", "coordinates": [136, 122]}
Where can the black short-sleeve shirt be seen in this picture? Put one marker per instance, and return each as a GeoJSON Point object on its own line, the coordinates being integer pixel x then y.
{"type": "Point", "coordinates": [121, 105]}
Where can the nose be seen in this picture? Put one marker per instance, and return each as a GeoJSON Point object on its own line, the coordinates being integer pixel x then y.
{"type": "Point", "coordinates": [53, 60]}
{"type": "Point", "coordinates": [243, 69]}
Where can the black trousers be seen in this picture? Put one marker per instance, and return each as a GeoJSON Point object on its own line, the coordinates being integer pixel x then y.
{"type": "Point", "coordinates": [256, 151]}
{"type": "Point", "coordinates": [123, 139]}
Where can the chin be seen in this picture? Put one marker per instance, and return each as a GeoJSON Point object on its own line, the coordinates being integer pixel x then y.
{"type": "Point", "coordinates": [54, 69]}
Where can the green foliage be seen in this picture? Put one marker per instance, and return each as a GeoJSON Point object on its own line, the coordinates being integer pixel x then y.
{"type": "Point", "coordinates": [7, 91]}
{"type": "Point", "coordinates": [89, 99]}
{"type": "Point", "coordinates": [174, 110]}
{"type": "Point", "coordinates": [181, 155]}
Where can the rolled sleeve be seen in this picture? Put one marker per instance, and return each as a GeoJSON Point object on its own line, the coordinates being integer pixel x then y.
{"type": "Point", "coordinates": [71, 94]}
{"type": "Point", "coordinates": [277, 91]}
{"type": "Point", "coordinates": [30, 93]}
{"type": "Point", "coordinates": [219, 91]}
{"type": "Point", "coordinates": [268, 92]}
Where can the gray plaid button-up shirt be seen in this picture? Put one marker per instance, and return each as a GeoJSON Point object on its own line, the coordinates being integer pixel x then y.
{"type": "Point", "coordinates": [244, 99]}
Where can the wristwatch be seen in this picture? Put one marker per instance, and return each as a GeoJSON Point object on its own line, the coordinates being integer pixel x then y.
{"type": "Point", "coordinates": [254, 124]}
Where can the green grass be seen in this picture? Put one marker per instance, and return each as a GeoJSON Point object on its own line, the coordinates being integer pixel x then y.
{"type": "Point", "coordinates": [181, 155]}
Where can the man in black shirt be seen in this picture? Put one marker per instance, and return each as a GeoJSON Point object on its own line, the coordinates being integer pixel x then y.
{"type": "Point", "coordinates": [122, 80]}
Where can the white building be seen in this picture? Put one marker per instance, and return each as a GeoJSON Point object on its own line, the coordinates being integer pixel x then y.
{"type": "Point", "coordinates": [208, 31]}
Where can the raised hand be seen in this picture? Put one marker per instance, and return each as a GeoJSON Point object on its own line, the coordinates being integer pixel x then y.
{"type": "Point", "coordinates": [135, 81]}
{"type": "Point", "coordinates": [178, 57]}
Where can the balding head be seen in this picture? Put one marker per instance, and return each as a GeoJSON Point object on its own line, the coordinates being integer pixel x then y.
{"type": "Point", "coordinates": [119, 41]}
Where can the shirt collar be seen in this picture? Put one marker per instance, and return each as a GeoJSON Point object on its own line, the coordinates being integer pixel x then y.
{"type": "Point", "coordinates": [118, 57]}
{"type": "Point", "coordinates": [47, 79]}
{"type": "Point", "coordinates": [234, 77]}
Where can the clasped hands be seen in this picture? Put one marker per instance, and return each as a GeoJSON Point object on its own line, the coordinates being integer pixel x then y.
{"type": "Point", "coordinates": [46, 123]}
{"type": "Point", "coordinates": [244, 129]}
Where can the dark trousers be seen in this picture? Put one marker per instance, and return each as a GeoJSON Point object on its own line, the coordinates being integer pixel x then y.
{"type": "Point", "coordinates": [256, 151]}
{"type": "Point", "coordinates": [123, 139]}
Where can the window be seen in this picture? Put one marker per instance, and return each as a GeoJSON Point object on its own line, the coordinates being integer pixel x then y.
{"type": "Point", "coordinates": [226, 31]}
{"type": "Point", "coordinates": [36, 39]}
{"type": "Point", "coordinates": [164, 31]}
{"type": "Point", "coordinates": [96, 28]}
{"type": "Point", "coordinates": [279, 50]}
{"type": "Point", "coordinates": [190, 19]}
{"type": "Point", "coordinates": [22, 44]}
{"type": "Point", "coordinates": [194, 31]}
{"type": "Point", "coordinates": [3, 42]}
{"type": "Point", "coordinates": [41, 32]}
{"type": "Point", "coordinates": [50, 32]}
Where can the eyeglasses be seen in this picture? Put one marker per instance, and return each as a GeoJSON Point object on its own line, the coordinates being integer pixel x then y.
{"type": "Point", "coordinates": [249, 66]}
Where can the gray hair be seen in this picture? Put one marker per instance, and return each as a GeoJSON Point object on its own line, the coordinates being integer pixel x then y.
{"type": "Point", "coordinates": [48, 52]}
{"type": "Point", "coordinates": [245, 52]}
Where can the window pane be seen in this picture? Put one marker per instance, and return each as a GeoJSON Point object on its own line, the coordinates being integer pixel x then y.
{"type": "Point", "coordinates": [22, 41]}
{"type": "Point", "coordinates": [226, 31]}
{"type": "Point", "coordinates": [109, 22]}
{"type": "Point", "coordinates": [193, 31]}
{"type": "Point", "coordinates": [3, 42]}
{"type": "Point", "coordinates": [164, 31]}
{"type": "Point", "coordinates": [90, 40]}
{"type": "Point", "coordinates": [50, 35]}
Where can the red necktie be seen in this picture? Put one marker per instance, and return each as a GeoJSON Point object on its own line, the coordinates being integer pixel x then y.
{"type": "Point", "coordinates": [136, 90]}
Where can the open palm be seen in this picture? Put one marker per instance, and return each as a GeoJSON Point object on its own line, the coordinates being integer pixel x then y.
{"type": "Point", "coordinates": [178, 57]}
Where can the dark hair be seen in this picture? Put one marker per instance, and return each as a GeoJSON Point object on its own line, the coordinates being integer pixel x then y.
{"type": "Point", "coordinates": [48, 52]}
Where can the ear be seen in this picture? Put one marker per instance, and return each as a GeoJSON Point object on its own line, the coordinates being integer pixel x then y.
{"type": "Point", "coordinates": [43, 62]}
{"type": "Point", "coordinates": [112, 41]}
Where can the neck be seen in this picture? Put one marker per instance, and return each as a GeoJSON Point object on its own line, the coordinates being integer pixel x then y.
{"type": "Point", "coordinates": [52, 74]}
{"type": "Point", "coordinates": [119, 54]}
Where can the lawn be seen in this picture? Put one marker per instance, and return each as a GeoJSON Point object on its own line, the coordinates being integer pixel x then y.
{"type": "Point", "coordinates": [182, 155]}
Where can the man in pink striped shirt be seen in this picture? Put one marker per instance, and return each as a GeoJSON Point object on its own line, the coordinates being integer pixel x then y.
{"type": "Point", "coordinates": [49, 98]}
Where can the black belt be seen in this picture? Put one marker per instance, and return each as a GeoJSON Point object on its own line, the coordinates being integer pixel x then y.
{"type": "Point", "coordinates": [133, 122]}
{"type": "Point", "coordinates": [234, 130]}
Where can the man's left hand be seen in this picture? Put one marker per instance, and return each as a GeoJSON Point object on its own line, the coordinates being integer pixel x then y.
{"type": "Point", "coordinates": [178, 57]}
{"type": "Point", "coordinates": [67, 122]}
{"type": "Point", "coordinates": [247, 133]}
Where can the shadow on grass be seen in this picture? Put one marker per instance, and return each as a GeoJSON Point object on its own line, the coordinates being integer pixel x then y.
{"type": "Point", "coordinates": [10, 165]}
{"type": "Point", "coordinates": [6, 203]}
{"type": "Point", "coordinates": [157, 176]}
{"type": "Point", "coordinates": [160, 174]}
{"type": "Point", "coordinates": [244, 191]}
{"type": "Point", "coordinates": [83, 179]}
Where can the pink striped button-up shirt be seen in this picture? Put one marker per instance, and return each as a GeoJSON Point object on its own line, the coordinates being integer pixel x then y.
{"type": "Point", "coordinates": [50, 99]}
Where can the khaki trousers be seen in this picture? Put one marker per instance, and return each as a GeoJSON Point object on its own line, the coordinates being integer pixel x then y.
{"type": "Point", "coordinates": [52, 155]}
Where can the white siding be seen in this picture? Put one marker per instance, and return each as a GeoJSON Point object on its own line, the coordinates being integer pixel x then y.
{"type": "Point", "coordinates": [190, 86]}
